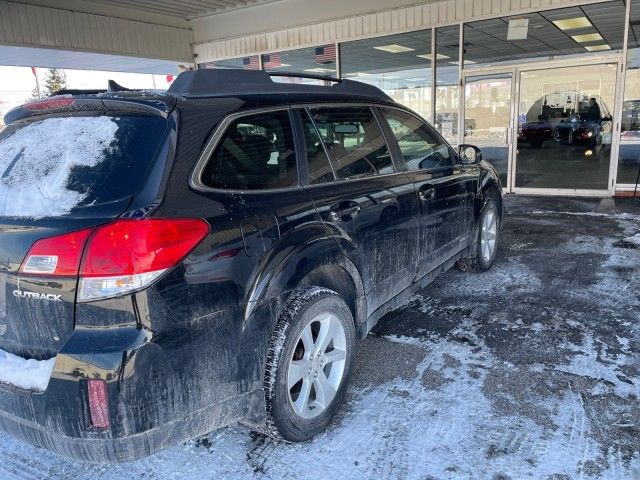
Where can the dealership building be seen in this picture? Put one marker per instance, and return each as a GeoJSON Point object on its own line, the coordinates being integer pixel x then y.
{"type": "Point", "coordinates": [549, 89]}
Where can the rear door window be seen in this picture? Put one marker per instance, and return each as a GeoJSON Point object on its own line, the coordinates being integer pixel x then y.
{"type": "Point", "coordinates": [48, 167]}
{"type": "Point", "coordinates": [255, 152]}
{"type": "Point", "coordinates": [421, 146]}
{"type": "Point", "coordinates": [354, 141]}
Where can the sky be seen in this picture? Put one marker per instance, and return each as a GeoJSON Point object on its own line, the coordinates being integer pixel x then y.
{"type": "Point", "coordinates": [17, 83]}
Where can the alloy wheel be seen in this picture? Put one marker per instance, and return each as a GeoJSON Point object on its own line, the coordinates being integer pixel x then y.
{"type": "Point", "coordinates": [317, 365]}
{"type": "Point", "coordinates": [488, 235]}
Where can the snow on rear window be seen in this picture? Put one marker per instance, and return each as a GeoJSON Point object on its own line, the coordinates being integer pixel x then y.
{"type": "Point", "coordinates": [36, 162]}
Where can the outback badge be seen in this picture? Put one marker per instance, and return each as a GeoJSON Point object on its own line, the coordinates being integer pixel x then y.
{"type": "Point", "coordinates": [37, 296]}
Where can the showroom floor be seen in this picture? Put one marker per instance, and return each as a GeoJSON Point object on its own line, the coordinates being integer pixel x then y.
{"type": "Point", "coordinates": [527, 371]}
{"type": "Point", "coordinates": [560, 165]}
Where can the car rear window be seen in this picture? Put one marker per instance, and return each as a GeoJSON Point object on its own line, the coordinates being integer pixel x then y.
{"type": "Point", "coordinates": [255, 152]}
{"type": "Point", "coordinates": [48, 167]}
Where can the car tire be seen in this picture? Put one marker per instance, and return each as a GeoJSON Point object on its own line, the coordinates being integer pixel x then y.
{"type": "Point", "coordinates": [487, 239]}
{"type": "Point", "coordinates": [302, 361]}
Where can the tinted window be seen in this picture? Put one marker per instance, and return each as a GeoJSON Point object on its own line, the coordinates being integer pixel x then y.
{"type": "Point", "coordinates": [255, 152]}
{"type": "Point", "coordinates": [320, 170]}
{"type": "Point", "coordinates": [420, 145]}
{"type": "Point", "coordinates": [354, 141]}
{"type": "Point", "coordinates": [48, 167]}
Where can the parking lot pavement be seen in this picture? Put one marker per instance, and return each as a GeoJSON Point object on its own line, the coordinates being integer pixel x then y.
{"type": "Point", "coordinates": [527, 371]}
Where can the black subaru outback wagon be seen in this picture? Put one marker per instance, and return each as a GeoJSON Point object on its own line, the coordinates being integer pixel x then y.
{"type": "Point", "coordinates": [175, 262]}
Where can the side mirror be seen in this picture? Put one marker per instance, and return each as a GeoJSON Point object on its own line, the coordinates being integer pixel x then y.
{"type": "Point", "coordinates": [469, 154]}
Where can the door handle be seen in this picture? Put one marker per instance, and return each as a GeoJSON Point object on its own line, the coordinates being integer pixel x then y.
{"type": "Point", "coordinates": [427, 193]}
{"type": "Point", "coordinates": [344, 211]}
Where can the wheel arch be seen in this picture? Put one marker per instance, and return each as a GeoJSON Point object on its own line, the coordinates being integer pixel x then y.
{"type": "Point", "coordinates": [343, 279]}
{"type": "Point", "coordinates": [320, 263]}
{"type": "Point", "coordinates": [490, 186]}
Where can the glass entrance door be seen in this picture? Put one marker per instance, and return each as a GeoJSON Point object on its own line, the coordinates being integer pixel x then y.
{"type": "Point", "coordinates": [565, 129]}
{"type": "Point", "coordinates": [487, 117]}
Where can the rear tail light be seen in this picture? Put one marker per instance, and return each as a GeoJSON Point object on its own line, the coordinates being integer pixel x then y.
{"type": "Point", "coordinates": [98, 403]}
{"type": "Point", "coordinates": [128, 255]}
{"type": "Point", "coordinates": [56, 256]}
{"type": "Point", "coordinates": [119, 257]}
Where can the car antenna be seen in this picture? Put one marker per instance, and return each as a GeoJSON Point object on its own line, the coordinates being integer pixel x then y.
{"type": "Point", "coordinates": [113, 86]}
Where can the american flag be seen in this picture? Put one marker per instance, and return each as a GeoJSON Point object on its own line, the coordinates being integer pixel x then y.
{"type": "Point", "coordinates": [326, 54]}
{"type": "Point", "coordinates": [251, 63]}
{"type": "Point", "coordinates": [271, 60]}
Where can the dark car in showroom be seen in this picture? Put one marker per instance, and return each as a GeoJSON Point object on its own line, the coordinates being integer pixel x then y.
{"type": "Point", "coordinates": [535, 133]}
{"type": "Point", "coordinates": [177, 262]}
{"type": "Point", "coordinates": [591, 125]}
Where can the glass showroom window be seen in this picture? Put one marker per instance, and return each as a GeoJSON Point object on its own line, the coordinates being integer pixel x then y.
{"type": "Point", "coordinates": [569, 32]}
{"type": "Point", "coordinates": [398, 64]}
{"type": "Point", "coordinates": [319, 60]}
{"type": "Point", "coordinates": [447, 82]}
{"type": "Point", "coordinates": [251, 62]}
{"type": "Point", "coordinates": [629, 159]}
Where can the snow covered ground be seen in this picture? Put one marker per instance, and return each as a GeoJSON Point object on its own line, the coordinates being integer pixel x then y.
{"type": "Point", "coordinates": [527, 371]}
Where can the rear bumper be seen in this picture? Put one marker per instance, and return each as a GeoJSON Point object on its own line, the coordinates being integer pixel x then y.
{"type": "Point", "coordinates": [105, 448]}
{"type": "Point", "coordinates": [156, 398]}
{"type": "Point", "coordinates": [170, 375]}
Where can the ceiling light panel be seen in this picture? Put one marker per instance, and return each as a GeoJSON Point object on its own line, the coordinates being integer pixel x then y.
{"type": "Point", "coordinates": [393, 48]}
{"type": "Point", "coordinates": [597, 48]}
{"type": "Point", "coordinates": [587, 37]}
{"type": "Point", "coordinates": [428, 56]}
{"type": "Point", "coordinates": [573, 23]}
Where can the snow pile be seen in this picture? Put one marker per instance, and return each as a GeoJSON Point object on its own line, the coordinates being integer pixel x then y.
{"type": "Point", "coordinates": [36, 161]}
{"type": "Point", "coordinates": [635, 239]}
{"type": "Point", "coordinates": [631, 242]}
{"type": "Point", "coordinates": [28, 374]}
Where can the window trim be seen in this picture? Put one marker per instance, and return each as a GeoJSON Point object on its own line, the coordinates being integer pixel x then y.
{"type": "Point", "coordinates": [454, 155]}
{"type": "Point", "coordinates": [307, 113]}
{"type": "Point", "coordinates": [394, 147]}
{"type": "Point", "coordinates": [195, 179]}
{"type": "Point", "coordinates": [399, 164]}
